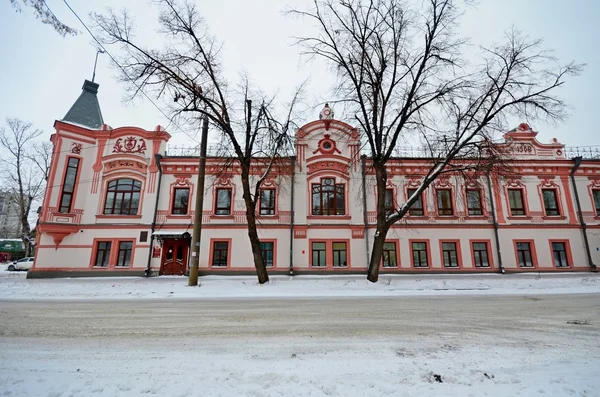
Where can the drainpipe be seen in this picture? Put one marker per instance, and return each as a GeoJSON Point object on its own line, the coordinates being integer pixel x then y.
{"type": "Point", "coordinates": [577, 161]}
{"type": "Point", "coordinates": [363, 161]}
{"type": "Point", "coordinates": [496, 236]}
{"type": "Point", "coordinates": [292, 218]}
{"type": "Point", "coordinates": [157, 158]}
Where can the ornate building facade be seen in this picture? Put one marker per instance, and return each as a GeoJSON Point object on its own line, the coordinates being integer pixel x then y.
{"type": "Point", "coordinates": [119, 203]}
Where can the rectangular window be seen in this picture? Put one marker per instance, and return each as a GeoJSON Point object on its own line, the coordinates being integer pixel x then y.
{"type": "Point", "coordinates": [596, 194]}
{"type": "Point", "coordinates": [125, 251]}
{"type": "Point", "coordinates": [180, 201]}
{"type": "Point", "coordinates": [444, 202]}
{"type": "Point", "coordinates": [267, 202]}
{"type": "Point", "coordinates": [102, 253]}
{"type": "Point", "coordinates": [220, 253]}
{"type": "Point", "coordinates": [318, 254]}
{"type": "Point", "coordinates": [328, 198]}
{"type": "Point", "coordinates": [417, 208]}
{"type": "Point", "coordinates": [339, 255]}
{"type": "Point", "coordinates": [223, 204]}
{"type": "Point", "coordinates": [524, 255]}
{"type": "Point", "coordinates": [389, 201]}
{"type": "Point", "coordinates": [449, 254]}
{"type": "Point", "coordinates": [550, 202]}
{"type": "Point", "coordinates": [419, 252]}
{"type": "Point", "coordinates": [480, 253]}
{"type": "Point", "coordinates": [66, 198]}
{"type": "Point", "coordinates": [266, 250]}
{"type": "Point", "coordinates": [515, 201]}
{"type": "Point", "coordinates": [559, 252]}
{"type": "Point", "coordinates": [389, 255]}
{"type": "Point", "coordinates": [474, 202]}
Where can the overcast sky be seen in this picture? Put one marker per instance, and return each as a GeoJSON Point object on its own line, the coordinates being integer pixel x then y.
{"type": "Point", "coordinates": [42, 72]}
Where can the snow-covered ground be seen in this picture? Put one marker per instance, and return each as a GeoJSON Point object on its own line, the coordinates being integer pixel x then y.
{"type": "Point", "coordinates": [14, 285]}
{"type": "Point", "coordinates": [285, 368]}
{"type": "Point", "coordinates": [408, 335]}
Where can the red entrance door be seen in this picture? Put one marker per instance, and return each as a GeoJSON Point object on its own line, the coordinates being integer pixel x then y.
{"type": "Point", "coordinates": [175, 256]}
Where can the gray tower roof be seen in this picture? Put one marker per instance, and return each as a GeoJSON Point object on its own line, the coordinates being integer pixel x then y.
{"type": "Point", "coordinates": [86, 109]}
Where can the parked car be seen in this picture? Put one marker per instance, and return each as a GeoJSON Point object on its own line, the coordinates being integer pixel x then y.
{"type": "Point", "coordinates": [21, 264]}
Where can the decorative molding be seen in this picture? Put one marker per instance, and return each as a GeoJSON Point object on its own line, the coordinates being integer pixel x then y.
{"type": "Point", "coordinates": [547, 182]}
{"type": "Point", "coordinates": [327, 146]}
{"type": "Point", "coordinates": [513, 182]}
{"type": "Point", "coordinates": [328, 166]}
{"type": "Point", "coordinates": [127, 165]}
{"type": "Point", "coordinates": [76, 148]}
{"type": "Point", "coordinates": [130, 145]}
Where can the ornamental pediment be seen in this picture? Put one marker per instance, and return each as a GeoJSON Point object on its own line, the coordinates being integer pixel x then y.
{"type": "Point", "coordinates": [130, 145]}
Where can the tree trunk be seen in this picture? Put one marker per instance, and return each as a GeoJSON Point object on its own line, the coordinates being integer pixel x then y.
{"type": "Point", "coordinates": [382, 224]}
{"type": "Point", "coordinates": [259, 263]}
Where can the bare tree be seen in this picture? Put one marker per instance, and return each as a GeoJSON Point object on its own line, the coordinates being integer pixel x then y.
{"type": "Point", "coordinates": [24, 180]}
{"type": "Point", "coordinates": [187, 72]}
{"type": "Point", "coordinates": [403, 75]}
{"type": "Point", "coordinates": [45, 14]}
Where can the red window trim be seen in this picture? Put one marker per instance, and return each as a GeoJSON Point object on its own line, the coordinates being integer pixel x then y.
{"type": "Point", "coordinates": [459, 261]}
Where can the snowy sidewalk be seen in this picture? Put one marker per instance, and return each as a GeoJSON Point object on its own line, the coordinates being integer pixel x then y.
{"type": "Point", "coordinates": [15, 286]}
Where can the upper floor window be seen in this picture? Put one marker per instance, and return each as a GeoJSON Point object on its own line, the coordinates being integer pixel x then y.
{"type": "Point", "coordinates": [417, 208]}
{"type": "Point", "coordinates": [223, 203]}
{"type": "Point", "coordinates": [550, 202]}
{"type": "Point", "coordinates": [474, 202]}
{"type": "Point", "coordinates": [596, 194]}
{"type": "Point", "coordinates": [66, 198]}
{"type": "Point", "coordinates": [444, 202]}
{"type": "Point", "coordinates": [180, 201]}
{"type": "Point", "coordinates": [267, 202]}
{"type": "Point", "coordinates": [122, 197]}
{"type": "Point", "coordinates": [389, 201]}
{"type": "Point", "coordinates": [515, 201]}
{"type": "Point", "coordinates": [328, 198]}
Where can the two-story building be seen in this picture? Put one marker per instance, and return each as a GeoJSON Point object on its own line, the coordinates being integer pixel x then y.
{"type": "Point", "coordinates": [119, 202]}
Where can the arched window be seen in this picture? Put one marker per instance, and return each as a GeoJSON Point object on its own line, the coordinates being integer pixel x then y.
{"type": "Point", "coordinates": [122, 197]}
{"type": "Point", "coordinates": [328, 197]}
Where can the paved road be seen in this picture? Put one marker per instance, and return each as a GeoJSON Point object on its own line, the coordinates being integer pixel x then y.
{"type": "Point", "coordinates": [481, 346]}
{"type": "Point", "coordinates": [466, 316]}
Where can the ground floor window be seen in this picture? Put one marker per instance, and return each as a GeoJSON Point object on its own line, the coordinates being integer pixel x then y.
{"type": "Point", "coordinates": [125, 251]}
{"type": "Point", "coordinates": [450, 255]}
{"type": "Point", "coordinates": [318, 254]}
{"type": "Point", "coordinates": [220, 253]}
{"type": "Point", "coordinates": [266, 250]}
{"type": "Point", "coordinates": [389, 255]}
{"type": "Point", "coordinates": [524, 257]}
{"type": "Point", "coordinates": [102, 253]}
{"type": "Point", "coordinates": [419, 253]}
{"type": "Point", "coordinates": [559, 253]}
{"type": "Point", "coordinates": [339, 255]}
{"type": "Point", "coordinates": [480, 254]}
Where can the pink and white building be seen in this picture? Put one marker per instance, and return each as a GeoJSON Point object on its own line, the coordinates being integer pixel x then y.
{"type": "Point", "coordinates": [119, 202]}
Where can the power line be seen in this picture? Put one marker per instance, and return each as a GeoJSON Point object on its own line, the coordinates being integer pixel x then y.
{"type": "Point", "coordinates": [125, 73]}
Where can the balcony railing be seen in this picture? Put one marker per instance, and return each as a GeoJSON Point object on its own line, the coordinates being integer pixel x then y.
{"type": "Point", "coordinates": [586, 152]}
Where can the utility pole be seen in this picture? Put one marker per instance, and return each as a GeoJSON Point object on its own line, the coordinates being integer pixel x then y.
{"type": "Point", "coordinates": [193, 280]}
